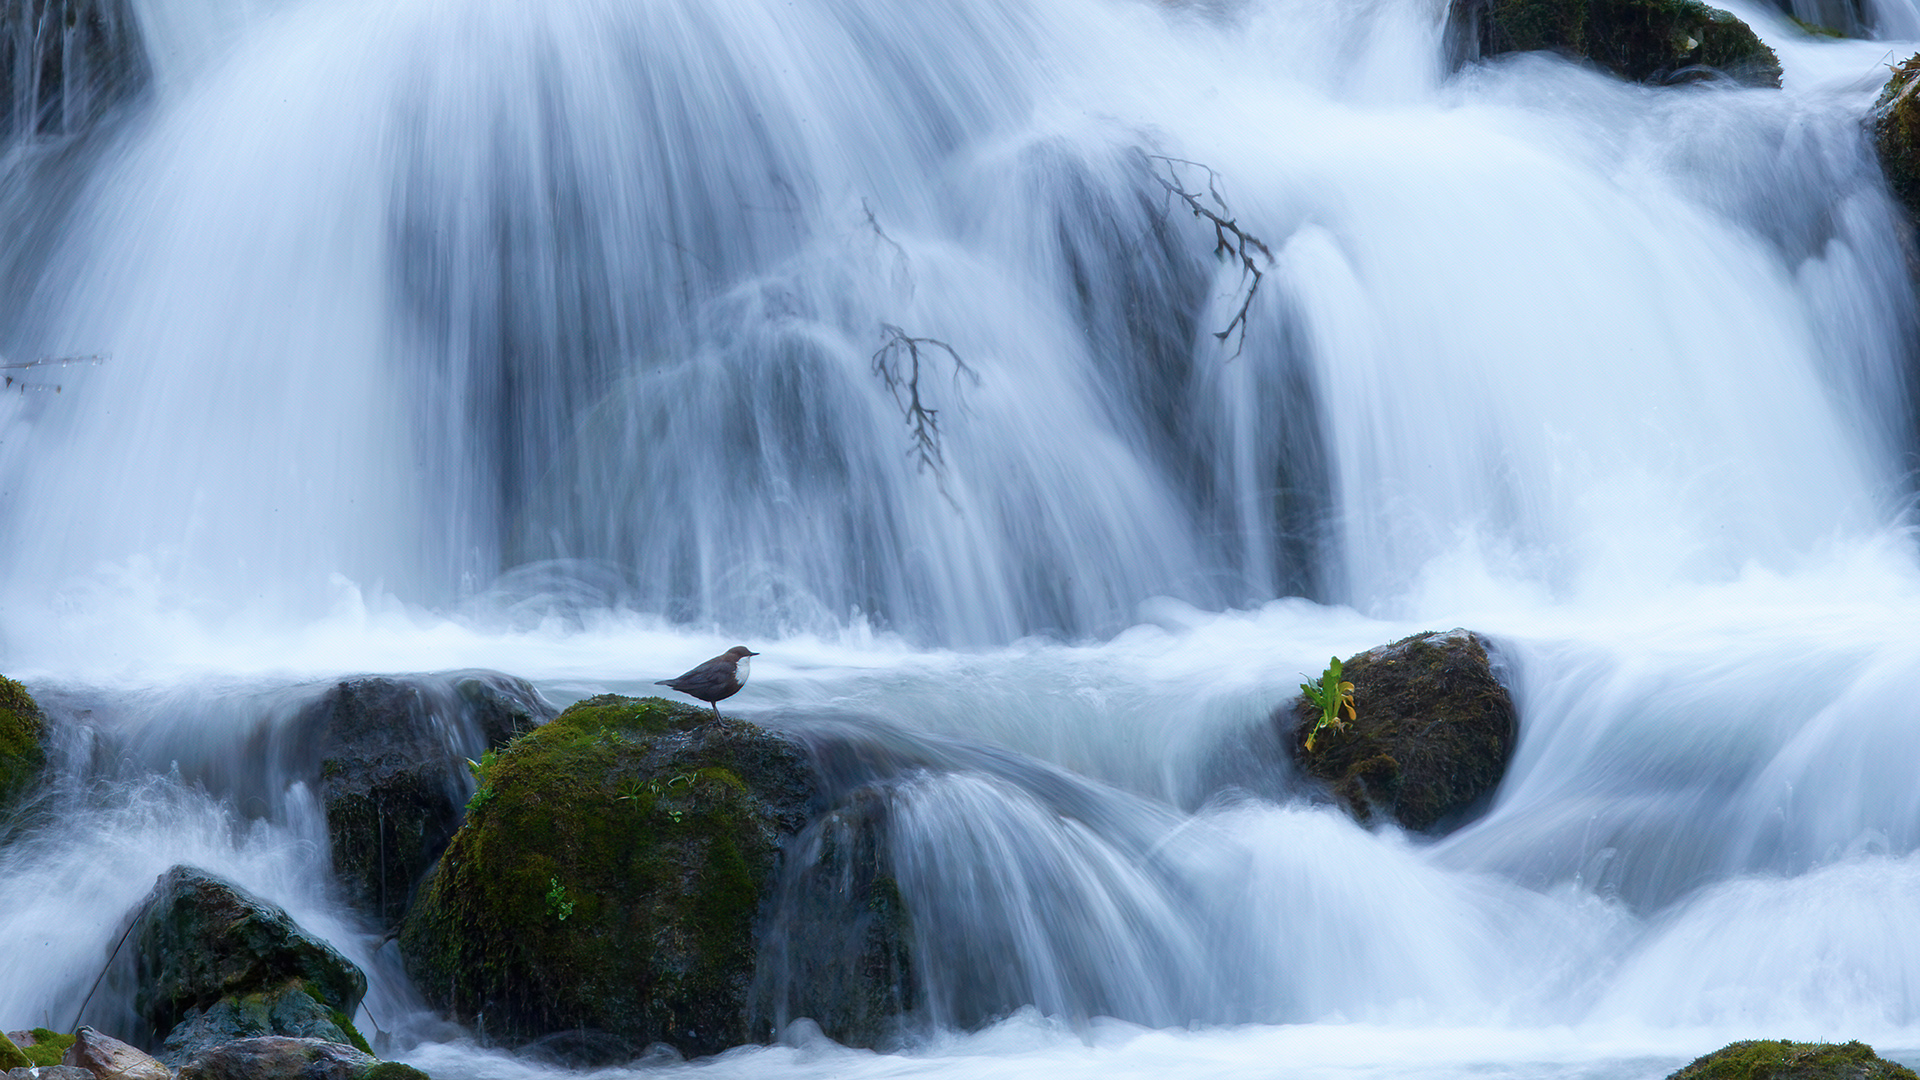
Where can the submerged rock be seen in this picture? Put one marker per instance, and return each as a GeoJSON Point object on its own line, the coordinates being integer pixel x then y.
{"type": "Point", "coordinates": [1651, 41]}
{"type": "Point", "coordinates": [199, 939]}
{"type": "Point", "coordinates": [394, 774]}
{"type": "Point", "coordinates": [23, 753]}
{"type": "Point", "coordinates": [841, 952]}
{"type": "Point", "coordinates": [1896, 133]}
{"type": "Point", "coordinates": [608, 878]}
{"type": "Point", "coordinates": [1773, 1059]}
{"type": "Point", "coordinates": [1434, 733]}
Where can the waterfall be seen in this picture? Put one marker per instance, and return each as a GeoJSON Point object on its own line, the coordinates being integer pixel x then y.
{"type": "Point", "coordinates": [581, 339]}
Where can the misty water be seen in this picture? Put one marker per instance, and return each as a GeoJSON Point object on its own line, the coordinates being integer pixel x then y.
{"type": "Point", "coordinates": [448, 334]}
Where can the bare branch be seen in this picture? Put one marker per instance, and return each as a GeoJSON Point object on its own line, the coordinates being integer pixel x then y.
{"type": "Point", "coordinates": [898, 364]}
{"type": "Point", "coordinates": [1229, 239]}
{"type": "Point", "coordinates": [21, 383]}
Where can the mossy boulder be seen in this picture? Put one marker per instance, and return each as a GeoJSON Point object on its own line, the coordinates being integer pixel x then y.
{"type": "Point", "coordinates": [393, 779]}
{"type": "Point", "coordinates": [609, 876]}
{"type": "Point", "coordinates": [288, 1010]}
{"type": "Point", "coordinates": [23, 752]}
{"type": "Point", "coordinates": [199, 939]}
{"type": "Point", "coordinates": [1651, 41]}
{"type": "Point", "coordinates": [1896, 133]}
{"type": "Point", "coordinates": [1775, 1059]}
{"type": "Point", "coordinates": [1433, 736]}
{"type": "Point", "coordinates": [43, 1048]}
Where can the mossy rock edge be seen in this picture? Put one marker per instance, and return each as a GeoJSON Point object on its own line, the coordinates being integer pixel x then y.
{"type": "Point", "coordinates": [1777, 1059]}
{"type": "Point", "coordinates": [609, 878]}
{"type": "Point", "coordinates": [1434, 734]}
{"type": "Point", "coordinates": [23, 753]}
{"type": "Point", "coordinates": [1650, 41]}
{"type": "Point", "coordinates": [1896, 133]}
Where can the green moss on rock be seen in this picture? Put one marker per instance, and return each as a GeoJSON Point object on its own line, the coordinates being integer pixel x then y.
{"type": "Point", "coordinates": [1655, 41]}
{"type": "Point", "coordinates": [23, 754]}
{"type": "Point", "coordinates": [11, 1056]}
{"type": "Point", "coordinates": [48, 1047]}
{"type": "Point", "coordinates": [612, 880]}
{"type": "Point", "coordinates": [1896, 133]}
{"type": "Point", "coordinates": [1775, 1059]}
{"type": "Point", "coordinates": [1432, 740]}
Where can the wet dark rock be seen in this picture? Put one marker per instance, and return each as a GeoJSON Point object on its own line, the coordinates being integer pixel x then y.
{"type": "Point", "coordinates": [199, 939]}
{"type": "Point", "coordinates": [107, 1058]}
{"type": "Point", "coordinates": [1772, 1059]}
{"type": "Point", "coordinates": [840, 949]}
{"type": "Point", "coordinates": [1651, 41]}
{"type": "Point", "coordinates": [281, 1058]}
{"type": "Point", "coordinates": [64, 64]}
{"type": "Point", "coordinates": [609, 876]}
{"type": "Point", "coordinates": [1896, 133]}
{"type": "Point", "coordinates": [23, 752]}
{"type": "Point", "coordinates": [394, 776]}
{"type": "Point", "coordinates": [1433, 737]}
{"type": "Point", "coordinates": [289, 1010]}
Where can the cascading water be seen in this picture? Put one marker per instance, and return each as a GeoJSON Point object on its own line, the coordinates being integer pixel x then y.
{"type": "Point", "coordinates": [544, 337]}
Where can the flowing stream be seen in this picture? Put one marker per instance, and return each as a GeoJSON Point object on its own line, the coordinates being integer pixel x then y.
{"type": "Point", "coordinates": [557, 338]}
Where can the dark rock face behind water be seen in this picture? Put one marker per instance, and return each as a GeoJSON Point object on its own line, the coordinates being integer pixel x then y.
{"type": "Point", "coordinates": [1652, 41]}
{"type": "Point", "coordinates": [394, 774]}
{"type": "Point", "coordinates": [606, 885]}
{"type": "Point", "coordinates": [1434, 734]}
{"type": "Point", "coordinates": [1896, 133]}
{"type": "Point", "coordinates": [1774, 1059]}
{"type": "Point", "coordinates": [842, 952]}
{"type": "Point", "coordinates": [65, 63]}
{"type": "Point", "coordinates": [202, 944]}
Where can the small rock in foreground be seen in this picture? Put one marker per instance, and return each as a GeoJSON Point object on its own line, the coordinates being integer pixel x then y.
{"type": "Point", "coordinates": [107, 1058]}
{"type": "Point", "coordinates": [281, 1058]}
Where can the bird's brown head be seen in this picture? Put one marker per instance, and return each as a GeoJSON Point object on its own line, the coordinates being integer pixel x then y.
{"type": "Point", "coordinates": [740, 652]}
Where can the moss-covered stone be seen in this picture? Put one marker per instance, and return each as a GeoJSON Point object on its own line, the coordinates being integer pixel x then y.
{"type": "Point", "coordinates": [23, 753]}
{"type": "Point", "coordinates": [1774, 1059]}
{"type": "Point", "coordinates": [1896, 133]}
{"type": "Point", "coordinates": [46, 1048]}
{"type": "Point", "coordinates": [199, 939]}
{"type": "Point", "coordinates": [1653, 41]}
{"type": "Point", "coordinates": [11, 1056]}
{"type": "Point", "coordinates": [608, 878]}
{"type": "Point", "coordinates": [291, 1009]}
{"type": "Point", "coordinates": [1434, 733]}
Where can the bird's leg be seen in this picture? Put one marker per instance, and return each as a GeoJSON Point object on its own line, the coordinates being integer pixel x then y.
{"type": "Point", "coordinates": [716, 709]}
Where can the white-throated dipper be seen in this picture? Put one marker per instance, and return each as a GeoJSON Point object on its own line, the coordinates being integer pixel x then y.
{"type": "Point", "coordinates": [720, 677]}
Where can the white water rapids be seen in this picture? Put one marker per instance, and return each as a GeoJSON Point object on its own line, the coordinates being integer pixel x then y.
{"type": "Point", "coordinates": [540, 336]}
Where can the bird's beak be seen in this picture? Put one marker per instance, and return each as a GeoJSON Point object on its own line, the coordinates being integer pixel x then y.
{"type": "Point", "coordinates": [750, 652]}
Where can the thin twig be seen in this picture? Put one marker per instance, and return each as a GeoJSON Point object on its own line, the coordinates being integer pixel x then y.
{"type": "Point", "coordinates": [1229, 238]}
{"type": "Point", "coordinates": [897, 362]}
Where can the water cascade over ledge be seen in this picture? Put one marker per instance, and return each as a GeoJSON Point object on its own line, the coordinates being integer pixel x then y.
{"type": "Point", "coordinates": [583, 339]}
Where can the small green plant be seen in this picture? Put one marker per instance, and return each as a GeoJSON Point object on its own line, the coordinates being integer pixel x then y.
{"type": "Point", "coordinates": [1330, 696]}
{"type": "Point", "coordinates": [483, 791]}
{"type": "Point", "coordinates": [557, 903]}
